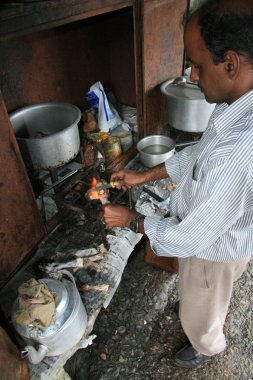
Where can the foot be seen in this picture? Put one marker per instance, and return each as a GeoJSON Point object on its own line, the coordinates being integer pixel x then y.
{"type": "Point", "coordinates": [188, 357]}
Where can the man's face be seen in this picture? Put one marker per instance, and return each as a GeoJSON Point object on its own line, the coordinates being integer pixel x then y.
{"type": "Point", "coordinates": [211, 78]}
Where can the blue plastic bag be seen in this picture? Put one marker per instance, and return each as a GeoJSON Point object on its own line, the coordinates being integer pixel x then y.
{"type": "Point", "coordinates": [107, 115]}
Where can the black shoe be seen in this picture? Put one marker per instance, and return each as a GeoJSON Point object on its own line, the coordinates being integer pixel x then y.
{"type": "Point", "coordinates": [188, 357]}
{"type": "Point", "coordinates": [176, 308]}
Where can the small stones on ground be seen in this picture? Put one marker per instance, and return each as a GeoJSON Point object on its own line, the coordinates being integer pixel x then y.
{"type": "Point", "coordinates": [138, 334]}
{"type": "Point", "coordinates": [121, 330]}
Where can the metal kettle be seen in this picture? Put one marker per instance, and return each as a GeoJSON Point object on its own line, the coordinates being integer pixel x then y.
{"type": "Point", "coordinates": [66, 331]}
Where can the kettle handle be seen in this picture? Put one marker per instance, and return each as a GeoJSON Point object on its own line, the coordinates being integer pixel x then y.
{"type": "Point", "coordinates": [69, 275]}
{"type": "Point", "coordinates": [72, 278]}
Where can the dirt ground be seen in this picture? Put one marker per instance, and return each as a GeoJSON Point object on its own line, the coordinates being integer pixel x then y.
{"type": "Point", "coordinates": [139, 333]}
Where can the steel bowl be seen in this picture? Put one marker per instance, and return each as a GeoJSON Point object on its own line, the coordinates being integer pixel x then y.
{"type": "Point", "coordinates": [155, 149]}
{"type": "Point", "coordinates": [47, 134]}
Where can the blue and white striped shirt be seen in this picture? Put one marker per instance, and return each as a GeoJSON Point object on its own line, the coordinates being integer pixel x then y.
{"type": "Point", "coordinates": [212, 206]}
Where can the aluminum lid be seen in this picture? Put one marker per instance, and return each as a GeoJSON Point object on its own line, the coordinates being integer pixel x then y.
{"type": "Point", "coordinates": [182, 89]}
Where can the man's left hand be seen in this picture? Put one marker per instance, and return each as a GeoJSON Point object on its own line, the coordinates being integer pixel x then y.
{"type": "Point", "coordinates": [117, 215]}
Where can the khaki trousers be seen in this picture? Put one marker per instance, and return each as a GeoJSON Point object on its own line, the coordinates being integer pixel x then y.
{"type": "Point", "coordinates": [205, 289]}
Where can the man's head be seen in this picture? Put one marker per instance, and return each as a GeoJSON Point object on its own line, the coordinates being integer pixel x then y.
{"type": "Point", "coordinates": [219, 44]}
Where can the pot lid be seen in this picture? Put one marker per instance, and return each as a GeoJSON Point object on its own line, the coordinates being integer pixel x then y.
{"type": "Point", "coordinates": [183, 89]}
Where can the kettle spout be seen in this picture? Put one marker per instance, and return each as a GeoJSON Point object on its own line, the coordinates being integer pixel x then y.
{"type": "Point", "coordinates": [34, 356]}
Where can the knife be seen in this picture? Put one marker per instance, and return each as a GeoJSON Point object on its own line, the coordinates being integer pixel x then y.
{"type": "Point", "coordinates": [152, 194]}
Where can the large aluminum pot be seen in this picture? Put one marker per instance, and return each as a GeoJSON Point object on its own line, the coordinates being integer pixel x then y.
{"type": "Point", "coordinates": [187, 108]}
{"type": "Point", "coordinates": [155, 149]}
{"type": "Point", "coordinates": [66, 331]}
{"type": "Point", "coordinates": [47, 134]}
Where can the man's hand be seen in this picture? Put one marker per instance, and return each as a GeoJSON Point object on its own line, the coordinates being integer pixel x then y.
{"type": "Point", "coordinates": [125, 178]}
{"type": "Point", "coordinates": [117, 215]}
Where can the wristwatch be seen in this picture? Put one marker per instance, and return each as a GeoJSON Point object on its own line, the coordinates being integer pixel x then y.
{"type": "Point", "coordinates": [134, 225]}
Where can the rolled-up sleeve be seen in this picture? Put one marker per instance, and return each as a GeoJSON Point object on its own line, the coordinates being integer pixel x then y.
{"type": "Point", "coordinates": [152, 226]}
{"type": "Point", "coordinates": [216, 209]}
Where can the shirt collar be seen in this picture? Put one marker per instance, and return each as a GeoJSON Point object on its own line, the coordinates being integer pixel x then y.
{"type": "Point", "coordinates": [225, 116]}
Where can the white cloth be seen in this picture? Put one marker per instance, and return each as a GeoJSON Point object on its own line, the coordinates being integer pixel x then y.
{"type": "Point", "coordinates": [212, 206]}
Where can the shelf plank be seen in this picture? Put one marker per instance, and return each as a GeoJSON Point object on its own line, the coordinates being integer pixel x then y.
{"type": "Point", "coordinates": [22, 17]}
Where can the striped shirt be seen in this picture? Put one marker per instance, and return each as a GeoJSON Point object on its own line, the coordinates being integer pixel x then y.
{"type": "Point", "coordinates": [212, 206]}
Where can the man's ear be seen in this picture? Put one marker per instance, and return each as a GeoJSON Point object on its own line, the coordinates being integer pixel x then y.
{"type": "Point", "coordinates": [232, 63]}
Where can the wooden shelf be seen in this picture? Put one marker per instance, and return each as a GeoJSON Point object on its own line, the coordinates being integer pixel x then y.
{"type": "Point", "coordinates": [22, 17]}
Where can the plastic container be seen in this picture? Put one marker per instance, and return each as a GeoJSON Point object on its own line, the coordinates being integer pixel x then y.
{"type": "Point", "coordinates": [125, 135]}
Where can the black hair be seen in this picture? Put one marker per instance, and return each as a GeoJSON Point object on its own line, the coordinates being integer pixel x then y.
{"type": "Point", "coordinates": [225, 27]}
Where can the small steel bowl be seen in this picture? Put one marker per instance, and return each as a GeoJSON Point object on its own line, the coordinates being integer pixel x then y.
{"type": "Point", "coordinates": [155, 149]}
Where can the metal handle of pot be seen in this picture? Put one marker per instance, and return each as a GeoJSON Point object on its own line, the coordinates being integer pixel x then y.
{"type": "Point", "coordinates": [71, 277]}
{"type": "Point", "coordinates": [185, 143]}
{"type": "Point", "coordinates": [183, 82]}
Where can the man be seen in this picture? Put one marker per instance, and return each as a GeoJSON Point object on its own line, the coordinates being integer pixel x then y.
{"type": "Point", "coordinates": [210, 228]}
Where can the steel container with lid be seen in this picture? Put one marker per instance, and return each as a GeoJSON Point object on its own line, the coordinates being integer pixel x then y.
{"type": "Point", "coordinates": [188, 110]}
{"type": "Point", "coordinates": [67, 329]}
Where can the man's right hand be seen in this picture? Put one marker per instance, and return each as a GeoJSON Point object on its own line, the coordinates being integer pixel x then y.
{"type": "Point", "coordinates": [125, 178]}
